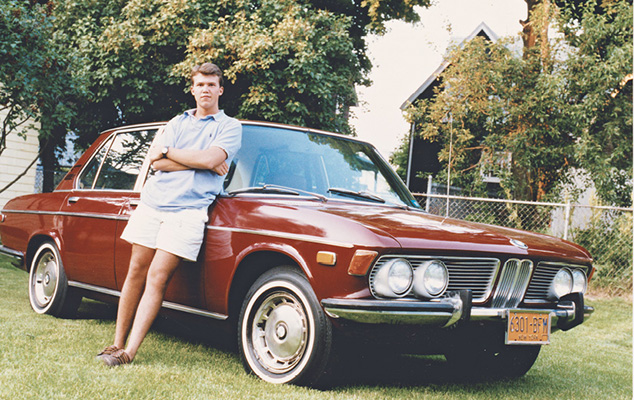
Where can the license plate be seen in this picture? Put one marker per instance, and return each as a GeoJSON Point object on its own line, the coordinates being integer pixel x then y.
{"type": "Point", "coordinates": [525, 327]}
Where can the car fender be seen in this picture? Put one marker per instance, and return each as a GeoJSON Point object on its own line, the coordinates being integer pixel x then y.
{"type": "Point", "coordinates": [281, 248]}
{"type": "Point", "coordinates": [39, 237]}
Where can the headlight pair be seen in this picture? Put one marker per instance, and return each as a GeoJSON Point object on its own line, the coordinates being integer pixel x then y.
{"type": "Point", "coordinates": [568, 281]}
{"type": "Point", "coordinates": [397, 278]}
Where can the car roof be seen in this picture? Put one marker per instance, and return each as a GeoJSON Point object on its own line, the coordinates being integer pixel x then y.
{"type": "Point", "coordinates": [125, 128]}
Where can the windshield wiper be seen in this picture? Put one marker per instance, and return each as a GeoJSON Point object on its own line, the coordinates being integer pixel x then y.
{"type": "Point", "coordinates": [356, 195]}
{"type": "Point", "coordinates": [276, 189]}
{"type": "Point", "coordinates": [264, 189]}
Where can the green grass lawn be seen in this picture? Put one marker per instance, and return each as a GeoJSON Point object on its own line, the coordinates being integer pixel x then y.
{"type": "Point", "coordinates": [48, 358]}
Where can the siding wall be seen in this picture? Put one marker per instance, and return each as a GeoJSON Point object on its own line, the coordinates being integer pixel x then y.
{"type": "Point", "coordinates": [15, 158]}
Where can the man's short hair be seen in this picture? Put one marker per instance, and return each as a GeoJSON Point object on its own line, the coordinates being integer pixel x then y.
{"type": "Point", "coordinates": [208, 69]}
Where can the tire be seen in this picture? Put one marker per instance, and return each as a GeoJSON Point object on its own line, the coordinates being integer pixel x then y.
{"type": "Point", "coordinates": [48, 287]}
{"type": "Point", "coordinates": [504, 362]}
{"type": "Point", "coordinates": [283, 334]}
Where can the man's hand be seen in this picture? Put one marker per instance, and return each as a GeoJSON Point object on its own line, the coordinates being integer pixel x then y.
{"type": "Point", "coordinates": [221, 169]}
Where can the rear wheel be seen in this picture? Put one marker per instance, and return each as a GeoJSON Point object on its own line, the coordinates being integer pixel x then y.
{"type": "Point", "coordinates": [48, 286]}
{"type": "Point", "coordinates": [283, 333]}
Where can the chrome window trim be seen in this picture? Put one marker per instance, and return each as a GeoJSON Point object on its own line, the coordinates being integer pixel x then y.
{"type": "Point", "coordinates": [70, 214]}
{"type": "Point", "coordinates": [166, 304]}
{"type": "Point", "coordinates": [144, 167]}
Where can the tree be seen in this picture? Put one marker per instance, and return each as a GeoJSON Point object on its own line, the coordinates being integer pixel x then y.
{"type": "Point", "coordinates": [292, 61]}
{"type": "Point", "coordinates": [289, 63]}
{"type": "Point", "coordinates": [36, 83]}
{"type": "Point", "coordinates": [517, 116]}
{"type": "Point", "coordinates": [600, 90]}
{"type": "Point", "coordinates": [125, 61]}
{"type": "Point", "coordinates": [496, 114]}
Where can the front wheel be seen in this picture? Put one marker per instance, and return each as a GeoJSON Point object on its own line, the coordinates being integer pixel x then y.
{"type": "Point", "coordinates": [283, 334]}
{"type": "Point", "coordinates": [48, 286]}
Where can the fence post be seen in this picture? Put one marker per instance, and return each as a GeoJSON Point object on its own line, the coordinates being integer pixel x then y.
{"type": "Point", "coordinates": [428, 193]}
{"type": "Point", "coordinates": [566, 218]}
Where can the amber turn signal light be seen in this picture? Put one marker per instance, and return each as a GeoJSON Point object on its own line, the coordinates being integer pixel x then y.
{"type": "Point", "coordinates": [361, 262]}
{"type": "Point", "coordinates": [326, 258]}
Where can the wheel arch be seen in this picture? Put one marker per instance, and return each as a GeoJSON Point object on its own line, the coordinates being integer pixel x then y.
{"type": "Point", "coordinates": [34, 244]}
{"type": "Point", "coordinates": [251, 267]}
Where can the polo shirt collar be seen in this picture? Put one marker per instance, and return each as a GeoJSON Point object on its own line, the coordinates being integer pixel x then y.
{"type": "Point", "coordinates": [219, 116]}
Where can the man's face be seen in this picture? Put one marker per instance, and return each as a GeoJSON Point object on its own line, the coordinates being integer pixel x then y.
{"type": "Point", "coordinates": [206, 90]}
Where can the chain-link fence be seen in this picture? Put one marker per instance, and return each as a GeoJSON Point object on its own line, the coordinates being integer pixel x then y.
{"type": "Point", "coordinates": [605, 231]}
{"type": "Point", "coordinates": [39, 177]}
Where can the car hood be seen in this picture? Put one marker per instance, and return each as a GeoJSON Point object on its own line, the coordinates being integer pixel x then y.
{"type": "Point", "coordinates": [414, 229]}
{"type": "Point", "coordinates": [370, 226]}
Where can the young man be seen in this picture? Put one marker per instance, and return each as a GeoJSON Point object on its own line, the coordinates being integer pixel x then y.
{"type": "Point", "coordinates": [191, 157]}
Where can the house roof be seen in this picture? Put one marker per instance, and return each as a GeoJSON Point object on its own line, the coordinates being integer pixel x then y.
{"type": "Point", "coordinates": [481, 30]}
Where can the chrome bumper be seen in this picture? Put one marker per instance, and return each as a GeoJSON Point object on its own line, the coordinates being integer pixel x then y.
{"type": "Point", "coordinates": [445, 312]}
{"type": "Point", "coordinates": [18, 256]}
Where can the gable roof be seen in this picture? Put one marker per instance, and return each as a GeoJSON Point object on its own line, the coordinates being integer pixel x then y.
{"type": "Point", "coordinates": [481, 30]}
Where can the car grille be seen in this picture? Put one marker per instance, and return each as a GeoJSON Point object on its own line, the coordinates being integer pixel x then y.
{"type": "Point", "coordinates": [475, 274]}
{"type": "Point", "coordinates": [543, 277]}
{"type": "Point", "coordinates": [479, 275]}
{"type": "Point", "coordinates": [513, 281]}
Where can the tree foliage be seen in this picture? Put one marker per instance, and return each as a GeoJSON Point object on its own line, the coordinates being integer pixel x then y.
{"type": "Point", "coordinates": [37, 83]}
{"type": "Point", "coordinates": [35, 73]}
{"type": "Point", "coordinates": [600, 88]}
{"type": "Point", "coordinates": [530, 117]}
{"type": "Point", "coordinates": [290, 61]}
{"type": "Point", "coordinates": [86, 65]}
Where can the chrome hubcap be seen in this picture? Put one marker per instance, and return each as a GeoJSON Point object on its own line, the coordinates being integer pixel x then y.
{"type": "Point", "coordinates": [280, 332]}
{"type": "Point", "coordinates": [44, 283]}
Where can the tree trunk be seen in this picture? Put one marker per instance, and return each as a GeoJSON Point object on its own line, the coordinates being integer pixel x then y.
{"type": "Point", "coordinates": [529, 34]}
{"type": "Point", "coordinates": [48, 158]}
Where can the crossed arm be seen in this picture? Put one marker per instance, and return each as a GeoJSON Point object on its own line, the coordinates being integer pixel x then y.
{"type": "Point", "coordinates": [212, 159]}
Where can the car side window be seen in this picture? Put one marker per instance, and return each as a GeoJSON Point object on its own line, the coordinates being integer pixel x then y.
{"type": "Point", "coordinates": [120, 167]}
{"type": "Point", "coordinates": [87, 177]}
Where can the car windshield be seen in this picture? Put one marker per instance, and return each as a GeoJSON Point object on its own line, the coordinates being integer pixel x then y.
{"type": "Point", "coordinates": [274, 160]}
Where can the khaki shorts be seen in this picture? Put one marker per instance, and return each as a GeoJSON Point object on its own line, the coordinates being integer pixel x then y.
{"type": "Point", "coordinates": [177, 232]}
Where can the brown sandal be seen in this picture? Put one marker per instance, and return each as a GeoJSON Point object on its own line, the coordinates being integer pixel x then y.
{"type": "Point", "coordinates": [119, 357]}
{"type": "Point", "coordinates": [108, 350]}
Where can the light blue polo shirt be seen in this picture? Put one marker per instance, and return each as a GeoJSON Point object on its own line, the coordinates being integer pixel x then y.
{"type": "Point", "coordinates": [196, 188]}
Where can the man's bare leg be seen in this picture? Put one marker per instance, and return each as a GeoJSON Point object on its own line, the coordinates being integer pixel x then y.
{"type": "Point", "coordinates": [158, 276]}
{"type": "Point", "coordinates": [131, 292]}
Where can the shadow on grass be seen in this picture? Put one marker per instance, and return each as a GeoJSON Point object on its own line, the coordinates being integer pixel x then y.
{"type": "Point", "coordinates": [92, 309]}
{"type": "Point", "coordinates": [362, 367]}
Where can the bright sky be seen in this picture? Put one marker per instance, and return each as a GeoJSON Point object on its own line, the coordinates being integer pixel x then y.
{"type": "Point", "coordinates": [409, 53]}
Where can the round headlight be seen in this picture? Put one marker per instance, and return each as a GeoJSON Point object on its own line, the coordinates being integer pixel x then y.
{"type": "Point", "coordinates": [400, 277]}
{"type": "Point", "coordinates": [394, 279]}
{"type": "Point", "coordinates": [579, 281]}
{"type": "Point", "coordinates": [431, 279]}
{"type": "Point", "coordinates": [562, 284]}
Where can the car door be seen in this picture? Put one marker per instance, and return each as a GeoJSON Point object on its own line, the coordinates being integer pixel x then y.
{"type": "Point", "coordinates": [93, 208]}
{"type": "Point", "coordinates": [186, 286]}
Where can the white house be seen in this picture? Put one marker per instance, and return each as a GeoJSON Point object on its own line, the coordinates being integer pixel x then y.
{"type": "Point", "coordinates": [17, 156]}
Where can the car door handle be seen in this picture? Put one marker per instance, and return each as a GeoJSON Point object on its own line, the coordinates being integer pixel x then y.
{"type": "Point", "coordinates": [73, 199]}
{"type": "Point", "coordinates": [134, 202]}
